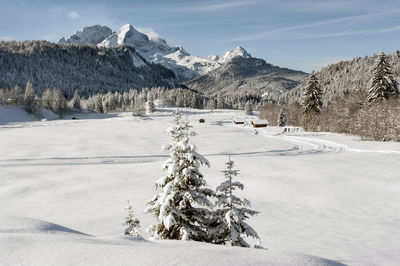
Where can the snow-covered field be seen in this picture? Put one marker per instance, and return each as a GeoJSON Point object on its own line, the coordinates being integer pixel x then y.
{"type": "Point", "coordinates": [64, 186]}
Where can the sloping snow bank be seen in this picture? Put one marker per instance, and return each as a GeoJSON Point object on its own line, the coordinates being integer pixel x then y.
{"type": "Point", "coordinates": [25, 241]}
{"type": "Point", "coordinates": [13, 114]}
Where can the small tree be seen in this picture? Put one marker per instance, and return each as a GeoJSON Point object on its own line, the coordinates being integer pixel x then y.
{"type": "Point", "coordinates": [282, 118]}
{"type": "Point", "coordinates": [383, 84]}
{"type": "Point", "coordinates": [248, 108]}
{"type": "Point", "coordinates": [139, 108]}
{"type": "Point", "coordinates": [311, 102]}
{"type": "Point", "coordinates": [182, 209]}
{"type": "Point", "coordinates": [99, 104]}
{"type": "Point", "coordinates": [59, 102]}
{"type": "Point", "coordinates": [230, 225]}
{"type": "Point", "coordinates": [76, 101]}
{"type": "Point", "coordinates": [46, 98]}
{"type": "Point", "coordinates": [29, 98]}
{"type": "Point", "coordinates": [132, 223]}
{"type": "Point", "coordinates": [312, 95]}
{"type": "Point", "coordinates": [150, 107]}
{"type": "Point", "coordinates": [220, 101]}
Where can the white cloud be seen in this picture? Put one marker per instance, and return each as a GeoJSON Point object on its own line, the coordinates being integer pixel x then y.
{"type": "Point", "coordinates": [149, 31]}
{"type": "Point", "coordinates": [349, 19]}
{"type": "Point", "coordinates": [215, 7]}
{"type": "Point", "coordinates": [7, 38]}
{"type": "Point", "coordinates": [73, 15]}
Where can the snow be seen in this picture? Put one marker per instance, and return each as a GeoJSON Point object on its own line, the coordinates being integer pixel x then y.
{"type": "Point", "coordinates": [238, 51]}
{"type": "Point", "coordinates": [11, 114]}
{"type": "Point", "coordinates": [91, 35]}
{"type": "Point", "coordinates": [322, 194]}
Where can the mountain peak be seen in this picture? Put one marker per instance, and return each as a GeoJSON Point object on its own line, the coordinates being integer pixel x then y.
{"type": "Point", "coordinates": [238, 51]}
{"type": "Point", "coordinates": [90, 35]}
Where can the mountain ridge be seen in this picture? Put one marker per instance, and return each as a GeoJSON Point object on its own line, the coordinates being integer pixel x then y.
{"type": "Point", "coordinates": [247, 75]}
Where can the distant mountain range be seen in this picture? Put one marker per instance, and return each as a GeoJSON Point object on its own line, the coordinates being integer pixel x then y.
{"type": "Point", "coordinates": [236, 72]}
{"type": "Point", "coordinates": [155, 50]}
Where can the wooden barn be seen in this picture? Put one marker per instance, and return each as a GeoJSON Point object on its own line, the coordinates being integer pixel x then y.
{"type": "Point", "coordinates": [260, 123]}
{"type": "Point", "coordinates": [238, 122]}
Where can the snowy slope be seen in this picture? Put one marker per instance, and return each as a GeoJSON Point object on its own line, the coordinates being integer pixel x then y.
{"type": "Point", "coordinates": [177, 59]}
{"type": "Point", "coordinates": [326, 195]}
{"type": "Point", "coordinates": [34, 242]}
{"type": "Point", "coordinates": [15, 114]}
{"type": "Point", "coordinates": [238, 51]}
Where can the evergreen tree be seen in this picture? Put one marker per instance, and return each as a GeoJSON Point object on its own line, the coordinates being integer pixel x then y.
{"type": "Point", "coordinates": [230, 225]}
{"type": "Point", "coordinates": [29, 98]}
{"type": "Point", "coordinates": [132, 223]}
{"type": "Point", "coordinates": [248, 109]}
{"type": "Point", "coordinates": [282, 118]}
{"type": "Point", "coordinates": [46, 98]}
{"type": "Point", "coordinates": [220, 101]}
{"type": "Point", "coordinates": [76, 101]}
{"type": "Point", "coordinates": [139, 108]}
{"type": "Point", "coordinates": [59, 102]}
{"type": "Point", "coordinates": [99, 104]}
{"type": "Point", "coordinates": [182, 209]}
{"type": "Point", "coordinates": [15, 95]}
{"type": "Point", "coordinates": [383, 84]}
{"type": "Point", "coordinates": [150, 107]}
{"type": "Point", "coordinates": [312, 94]}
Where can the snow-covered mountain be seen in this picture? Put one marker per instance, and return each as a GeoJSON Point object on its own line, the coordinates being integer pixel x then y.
{"type": "Point", "coordinates": [88, 35]}
{"type": "Point", "coordinates": [154, 49]}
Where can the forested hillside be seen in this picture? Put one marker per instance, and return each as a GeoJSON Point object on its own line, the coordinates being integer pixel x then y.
{"type": "Point", "coordinates": [243, 75]}
{"type": "Point", "coordinates": [87, 69]}
{"type": "Point", "coordinates": [339, 79]}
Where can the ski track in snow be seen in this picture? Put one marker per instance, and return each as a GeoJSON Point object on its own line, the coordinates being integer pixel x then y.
{"type": "Point", "coordinates": [300, 145]}
{"type": "Point", "coordinates": [307, 145]}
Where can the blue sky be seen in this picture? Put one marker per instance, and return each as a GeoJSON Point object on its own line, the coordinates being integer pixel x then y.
{"type": "Point", "coordinates": [299, 34]}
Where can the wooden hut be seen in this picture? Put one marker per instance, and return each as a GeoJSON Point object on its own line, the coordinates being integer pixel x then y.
{"type": "Point", "coordinates": [260, 123]}
{"type": "Point", "coordinates": [202, 120]}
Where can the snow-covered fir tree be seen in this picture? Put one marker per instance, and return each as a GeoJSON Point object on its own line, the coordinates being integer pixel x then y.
{"type": "Point", "coordinates": [150, 107]}
{"type": "Point", "coordinates": [99, 104]}
{"type": "Point", "coordinates": [230, 225]}
{"type": "Point", "coordinates": [29, 98]}
{"type": "Point", "coordinates": [58, 101]}
{"type": "Point", "coordinates": [46, 98]}
{"type": "Point", "coordinates": [282, 118]}
{"type": "Point", "coordinates": [311, 101]}
{"type": "Point", "coordinates": [248, 109]}
{"type": "Point", "coordinates": [220, 101]}
{"type": "Point", "coordinates": [132, 223]}
{"type": "Point", "coordinates": [182, 209]}
{"type": "Point", "coordinates": [383, 84]}
{"type": "Point", "coordinates": [76, 101]}
{"type": "Point", "coordinates": [139, 108]}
